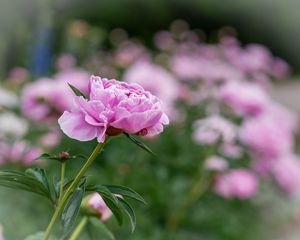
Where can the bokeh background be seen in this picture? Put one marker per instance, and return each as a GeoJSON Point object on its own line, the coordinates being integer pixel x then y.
{"type": "Point", "coordinates": [43, 38]}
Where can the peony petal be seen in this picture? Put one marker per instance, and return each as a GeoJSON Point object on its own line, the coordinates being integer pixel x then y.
{"type": "Point", "coordinates": [134, 122]}
{"type": "Point", "coordinates": [74, 126]}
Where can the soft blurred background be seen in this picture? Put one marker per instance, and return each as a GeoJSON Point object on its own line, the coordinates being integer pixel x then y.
{"type": "Point", "coordinates": [228, 165]}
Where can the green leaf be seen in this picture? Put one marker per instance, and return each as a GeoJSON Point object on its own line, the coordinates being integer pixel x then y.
{"type": "Point", "coordinates": [38, 236]}
{"type": "Point", "coordinates": [140, 144]}
{"type": "Point", "coordinates": [126, 192]}
{"type": "Point", "coordinates": [97, 230]}
{"type": "Point", "coordinates": [77, 91]}
{"type": "Point", "coordinates": [40, 175]}
{"type": "Point", "coordinates": [71, 211]}
{"type": "Point", "coordinates": [22, 181]}
{"type": "Point", "coordinates": [110, 200]}
{"type": "Point", "coordinates": [48, 156]}
{"type": "Point", "coordinates": [128, 209]}
{"type": "Point", "coordinates": [57, 158]}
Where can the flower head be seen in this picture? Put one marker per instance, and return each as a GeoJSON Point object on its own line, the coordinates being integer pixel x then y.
{"type": "Point", "coordinates": [239, 183]}
{"type": "Point", "coordinates": [96, 202]}
{"type": "Point", "coordinates": [113, 107]}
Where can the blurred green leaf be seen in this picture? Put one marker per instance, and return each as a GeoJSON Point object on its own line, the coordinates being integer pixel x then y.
{"type": "Point", "coordinates": [71, 211]}
{"type": "Point", "coordinates": [98, 230]}
{"type": "Point", "coordinates": [38, 236]}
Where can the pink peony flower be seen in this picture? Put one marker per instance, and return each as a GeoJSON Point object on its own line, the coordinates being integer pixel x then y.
{"type": "Point", "coordinates": [266, 137]}
{"type": "Point", "coordinates": [65, 61]}
{"type": "Point", "coordinates": [39, 100]}
{"type": "Point", "coordinates": [21, 152]}
{"type": "Point", "coordinates": [239, 183]}
{"type": "Point", "coordinates": [129, 53]}
{"type": "Point", "coordinates": [286, 172]}
{"type": "Point", "coordinates": [157, 80]}
{"type": "Point", "coordinates": [51, 138]}
{"type": "Point", "coordinates": [216, 163]}
{"type": "Point", "coordinates": [97, 203]}
{"type": "Point", "coordinates": [113, 107]}
{"type": "Point", "coordinates": [46, 99]}
{"type": "Point", "coordinates": [231, 150]}
{"type": "Point", "coordinates": [212, 129]}
{"type": "Point", "coordinates": [244, 98]}
{"type": "Point", "coordinates": [18, 75]}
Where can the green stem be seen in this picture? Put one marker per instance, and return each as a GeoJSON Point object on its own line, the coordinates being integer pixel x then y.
{"type": "Point", "coordinates": [62, 180]}
{"type": "Point", "coordinates": [71, 189]}
{"type": "Point", "coordinates": [79, 228]}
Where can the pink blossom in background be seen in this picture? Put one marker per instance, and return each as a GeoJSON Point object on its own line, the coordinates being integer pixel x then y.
{"type": "Point", "coordinates": [280, 68]}
{"type": "Point", "coordinates": [266, 137]}
{"type": "Point", "coordinates": [65, 61]}
{"type": "Point", "coordinates": [97, 203]}
{"type": "Point", "coordinates": [286, 172]}
{"type": "Point", "coordinates": [21, 152]}
{"type": "Point", "coordinates": [194, 67]}
{"type": "Point", "coordinates": [244, 98]}
{"type": "Point", "coordinates": [285, 118]}
{"type": "Point", "coordinates": [129, 53]}
{"type": "Point", "coordinates": [156, 80]}
{"type": "Point", "coordinates": [231, 149]}
{"type": "Point", "coordinates": [212, 129]}
{"type": "Point", "coordinates": [113, 107]}
{"type": "Point", "coordinates": [51, 138]}
{"type": "Point", "coordinates": [76, 77]}
{"type": "Point", "coordinates": [18, 75]}
{"type": "Point", "coordinates": [45, 99]}
{"type": "Point", "coordinates": [164, 40]}
{"type": "Point", "coordinates": [39, 100]}
{"type": "Point", "coordinates": [216, 163]}
{"type": "Point", "coordinates": [238, 183]}
{"type": "Point", "coordinates": [254, 58]}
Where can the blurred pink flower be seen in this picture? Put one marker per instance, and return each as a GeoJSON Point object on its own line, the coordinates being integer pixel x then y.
{"type": "Point", "coordinates": [65, 61]}
{"type": "Point", "coordinates": [216, 163]}
{"type": "Point", "coordinates": [286, 172]}
{"type": "Point", "coordinates": [129, 53]}
{"type": "Point", "coordinates": [280, 68]}
{"type": "Point", "coordinates": [212, 129]}
{"type": "Point", "coordinates": [239, 183]}
{"type": "Point", "coordinates": [231, 150]}
{"type": "Point", "coordinates": [97, 203]}
{"type": "Point", "coordinates": [158, 81]}
{"type": "Point", "coordinates": [19, 75]}
{"type": "Point", "coordinates": [244, 98]}
{"type": "Point", "coordinates": [21, 152]}
{"type": "Point", "coordinates": [39, 100]}
{"type": "Point", "coordinates": [46, 99]}
{"type": "Point", "coordinates": [164, 40]}
{"type": "Point", "coordinates": [266, 137]}
{"type": "Point", "coordinates": [254, 58]}
{"type": "Point", "coordinates": [113, 107]}
{"type": "Point", "coordinates": [194, 67]}
{"type": "Point", "coordinates": [51, 138]}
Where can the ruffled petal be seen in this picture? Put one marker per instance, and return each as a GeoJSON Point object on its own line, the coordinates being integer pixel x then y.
{"type": "Point", "coordinates": [74, 126]}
